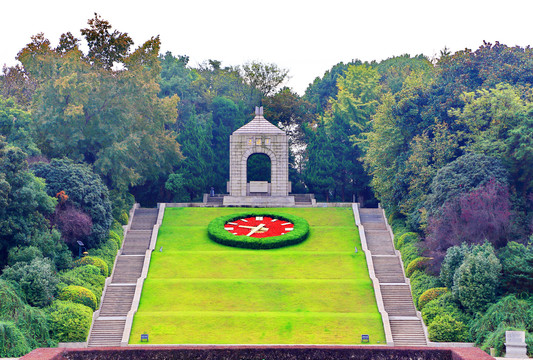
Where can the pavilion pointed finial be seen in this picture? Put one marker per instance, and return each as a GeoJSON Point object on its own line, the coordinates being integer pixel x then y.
{"type": "Point", "coordinates": [258, 111]}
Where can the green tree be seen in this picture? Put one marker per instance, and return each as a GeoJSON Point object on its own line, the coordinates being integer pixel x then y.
{"type": "Point", "coordinates": [461, 176]}
{"type": "Point", "coordinates": [475, 282]}
{"type": "Point", "coordinates": [517, 266]}
{"type": "Point", "coordinates": [15, 126]}
{"type": "Point", "coordinates": [319, 164]}
{"type": "Point", "coordinates": [265, 78]}
{"type": "Point", "coordinates": [323, 88]}
{"type": "Point", "coordinates": [24, 203]}
{"type": "Point", "coordinates": [195, 138]}
{"type": "Point", "coordinates": [498, 122]}
{"type": "Point", "coordinates": [345, 121]}
{"type": "Point", "coordinates": [112, 119]}
{"type": "Point", "coordinates": [226, 119]}
{"type": "Point", "coordinates": [36, 279]}
{"type": "Point", "coordinates": [84, 189]}
{"type": "Point", "coordinates": [105, 48]}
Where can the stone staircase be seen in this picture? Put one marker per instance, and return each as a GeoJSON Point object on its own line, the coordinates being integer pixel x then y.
{"type": "Point", "coordinates": [108, 327]}
{"type": "Point", "coordinates": [406, 327]}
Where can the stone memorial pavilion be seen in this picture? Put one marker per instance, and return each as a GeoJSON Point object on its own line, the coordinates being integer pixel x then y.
{"type": "Point", "coordinates": [259, 136]}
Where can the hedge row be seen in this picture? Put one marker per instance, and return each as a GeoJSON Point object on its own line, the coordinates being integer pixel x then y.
{"type": "Point", "coordinates": [218, 234]}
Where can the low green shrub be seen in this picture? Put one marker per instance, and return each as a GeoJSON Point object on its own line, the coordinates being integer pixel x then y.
{"type": "Point", "coordinates": [96, 261]}
{"type": "Point", "coordinates": [30, 321]}
{"type": "Point", "coordinates": [123, 218]}
{"type": "Point", "coordinates": [69, 322]}
{"type": "Point", "coordinates": [445, 328]}
{"type": "Point", "coordinates": [429, 295]}
{"type": "Point", "coordinates": [419, 263]}
{"type": "Point", "coordinates": [79, 295]}
{"type": "Point", "coordinates": [406, 238]}
{"type": "Point", "coordinates": [420, 282]}
{"type": "Point", "coordinates": [88, 276]}
{"type": "Point", "coordinates": [116, 238]}
{"type": "Point", "coordinates": [107, 252]}
{"type": "Point", "coordinates": [10, 301]}
{"type": "Point", "coordinates": [508, 311]}
{"type": "Point", "coordinates": [13, 343]}
{"type": "Point", "coordinates": [409, 253]}
{"type": "Point", "coordinates": [218, 234]}
{"type": "Point", "coordinates": [444, 304]}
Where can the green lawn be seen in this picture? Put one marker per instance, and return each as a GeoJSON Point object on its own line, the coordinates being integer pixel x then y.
{"type": "Point", "coordinates": [200, 292]}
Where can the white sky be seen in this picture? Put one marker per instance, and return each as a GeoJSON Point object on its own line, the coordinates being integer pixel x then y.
{"type": "Point", "coordinates": [306, 37]}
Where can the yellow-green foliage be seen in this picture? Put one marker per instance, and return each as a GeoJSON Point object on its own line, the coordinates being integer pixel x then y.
{"type": "Point", "coordinates": [430, 294]}
{"type": "Point", "coordinates": [96, 261]}
{"type": "Point", "coordinates": [417, 264]}
{"type": "Point", "coordinates": [116, 238]}
{"type": "Point", "coordinates": [78, 294]}
{"type": "Point", "coordinates": [69, 322]}
{"type": "Point", "coordinates": [123, 218]}
{"type": "Point", "coordinates": [407, 238]}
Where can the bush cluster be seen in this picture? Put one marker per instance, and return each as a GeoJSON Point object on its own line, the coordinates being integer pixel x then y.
{"type": "Point", "coordinates": [217, 233]}
{"type": "Point", "coordinates": [95, 261]}
{"type": "Point", "coordinates": [87, 276]}
{"type": "Point", "coordinates": [69, 322]}
{"type": "Point", "coordinates": [445, 328]}
{"type": "Point", "coordinates": [22, 327]}
{"type": "Point", "coordinates": [79, 295]}
{"type": "Point", "coordinates": [429, 295]}
{"type": "Point", "coordinates": [419, 263]}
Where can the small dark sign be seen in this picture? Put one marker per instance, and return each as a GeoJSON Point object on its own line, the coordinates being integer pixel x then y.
{"type": "Point", "coordinates": [365, 338]}
{"type": "Point", "coordinates": [144, 337]}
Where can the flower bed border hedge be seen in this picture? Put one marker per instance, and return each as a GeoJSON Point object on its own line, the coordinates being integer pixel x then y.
{"type": "Point", "coordinates": [218, 234]}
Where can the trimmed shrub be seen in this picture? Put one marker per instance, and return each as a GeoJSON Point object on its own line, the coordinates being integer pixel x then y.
{"type": "Point", "coordinates": [69, 322]}
{"type": "Point", "coordinates": [445, 328]}
{"type": "Point", "coordinates": [429, 295]}
{"type": "Point", "coordinates": [13, 343]}
{"type": "Point", "coordinates": [420, 282]}
{"type": "Point", "coordinates": [107, 252]}
{"type": "Point", "coordinates": [409, 253]}
{"type": "Point", "coordinates": [444, 305]}
{"type": "Point", "coordinates": [123, 218]}
{"type": "Point", "coordinates": [419, 263]}
{"type": "Point", "coordinates": [79, 295]}
{"type": "Point", "coordinates": [116, 238]}
{"type": "Point", "coordinates": [406, 238]}
{"type": "Point", "coordinates": [88, 276]}
{"type": "Point", "coordinates": [96, 261]}
{"type": "Point", "coordinates": [36, 279]}
{"type": "Point", "coordinates": [218, 234]}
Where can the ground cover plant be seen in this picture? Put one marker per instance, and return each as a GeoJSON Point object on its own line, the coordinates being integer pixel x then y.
{"type": "Point", "coordinates": [315, 292]}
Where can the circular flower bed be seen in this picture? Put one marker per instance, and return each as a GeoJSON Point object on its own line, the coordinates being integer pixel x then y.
{"type": "Point", "coordinates": [220, 230]}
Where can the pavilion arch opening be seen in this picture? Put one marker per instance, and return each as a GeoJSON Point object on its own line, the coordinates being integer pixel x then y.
{"type": "Point", "coordinates": [259, 168]}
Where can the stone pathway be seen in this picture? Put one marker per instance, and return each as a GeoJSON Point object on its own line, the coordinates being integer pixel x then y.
{"type": "Point", "coordinates": [108, 327]}
{"type": "Point", "coordinates": [406, 327]}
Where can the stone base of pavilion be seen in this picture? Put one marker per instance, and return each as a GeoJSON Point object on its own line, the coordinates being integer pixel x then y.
{"type": "Point", "coordinates": [259, 201]}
